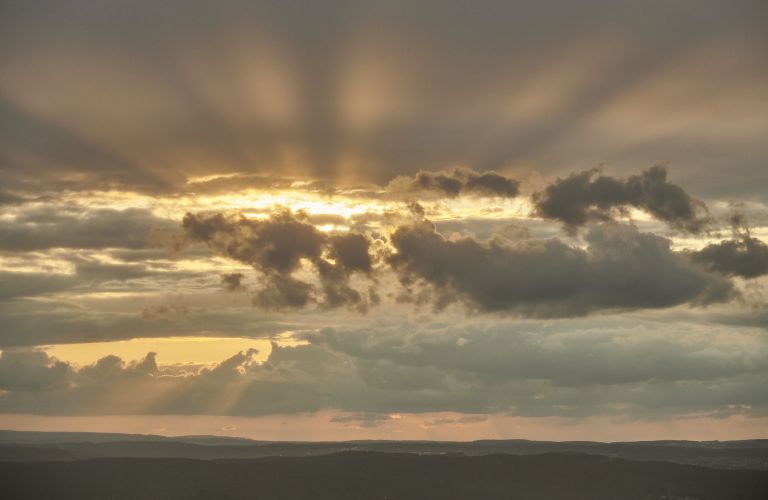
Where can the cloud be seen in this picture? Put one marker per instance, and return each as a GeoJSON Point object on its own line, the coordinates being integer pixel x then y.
{"type": "Point", "coordinates": [90, 275]}
{"type": "Point", "coordinates": [173, 307]}
{"type": "Point", "coordinates": [466, 419]}
{"type": "Point", "coordinates": [111, 368]}
{"type": "Point", "coordinates": [589, 196]}
{"type": "Point", "coordinates": [621, 268]}
{"type": "Point", "coordinates": [457, 182]}
{"type": "Point", "coordinates": [31, 370]}
{"type": "Point", "coordinates": [232, 282]}
{"type": "Point", "coordinates": [349, 254]}
{"type": "Point", "coordinates": [280, 292]}
{"type": "Point", "coordinates": [363, 419]}
{"type": "Point", "coordinates": [15, 285]}
{"type": "Point", "coordinates": [56, 157]}
{"type": "Point", "coordinates": [7, 198]}
{"type": "Point", "coordinates": [382, 116]}
{"type": "Point", "coordinates": [57, 387]}
{"type": "Point", "coordinates": [68, 318]}
{"type": "Point", "coordinates": [589, 367]}
{"type": "Point", "coordinates": [73, 227]}
{"type": "Point", "coordinates": [743, 255]}
{"type": "Point", "coordinates": [130, 113]}
{"type": "Point", "coordinates": [566, 353]}
{"type": "Point", "coordinates": [94, 271]}
{"type": "Point", "coordinates": [277, 246]}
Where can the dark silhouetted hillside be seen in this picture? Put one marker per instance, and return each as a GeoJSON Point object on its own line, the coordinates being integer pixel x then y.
{"type": "Point", "coordinates": [378, 476]}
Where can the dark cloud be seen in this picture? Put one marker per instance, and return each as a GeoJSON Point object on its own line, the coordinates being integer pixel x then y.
{"type": "Point", "coordinates": [458, 182]}
{"type": "Point", "coordinates": [589, 196]}
{"type": "Point", "coordinates": [66, 320]}
{"type": "Point", "coordinates": [620, 269]}
{"type": "Point", "coordinates": [233, 282]}
{"type": "Point", "coordinates": [173, 307]}
{"type": "Point", "coordinates": [7, 198]}
{"type": "Point", "coordinates": [15, 285]}
{"type": "Point", "coordinates": [276, 245]}
{"type": "Point", "coordinates": [60, 227]}
{"type": "Point", "coordinates": [416, 209]}
{"type": "Point", "coordinates": [161, 253]}
{"type": "Point", "coordinates": [349, 254]}
{"type": "Point", "coordinates": [743, 256]}
{"type": "Point", "coordinates": [276, 248]}
{"type": "Point", "coordinates": [89, 270]}
{"type": "Point", "coordinates": [279, 292]}
{"type": "Point", "coordinates": [31, 370]}
{"type": "Point", "coordinates": [90, 274]}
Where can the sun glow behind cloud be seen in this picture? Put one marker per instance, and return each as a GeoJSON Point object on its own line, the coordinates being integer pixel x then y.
{"type": "Point", "coordinates": [169, 350]}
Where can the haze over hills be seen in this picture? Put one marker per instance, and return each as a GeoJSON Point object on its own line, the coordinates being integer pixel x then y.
{"type": "Point", "coordinates": [33, 437]}
{"type": "Point", "coordinates": [46, 446]}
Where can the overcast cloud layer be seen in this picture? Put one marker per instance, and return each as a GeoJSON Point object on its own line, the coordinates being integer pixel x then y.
{"type": "Point", "coordinates": [143, 94]}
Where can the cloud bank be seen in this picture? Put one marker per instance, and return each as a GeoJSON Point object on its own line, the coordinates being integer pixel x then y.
{"type": "Point", "coordinates": [621, 268]}
{"type": "Point", "coordinates": [569, 369]}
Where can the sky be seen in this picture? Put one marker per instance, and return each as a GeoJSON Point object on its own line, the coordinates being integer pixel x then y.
{"type": "Point", "coordinates": [385, 219]}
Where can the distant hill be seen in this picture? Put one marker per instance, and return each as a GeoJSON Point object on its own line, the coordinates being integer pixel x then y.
{"type": "Point", "coordinates": [38, 437]}
{"type": "Point", "coordinates": [391, 476]}
{"type": "Point", "coordinates": [43, 446]}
